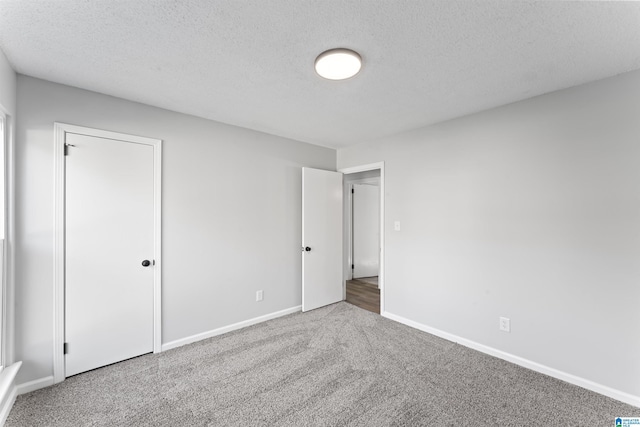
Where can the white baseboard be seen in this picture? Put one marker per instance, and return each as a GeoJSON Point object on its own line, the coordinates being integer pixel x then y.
{"type": "Point", "coordinates": [8, 390]}
{"type": "Point", "coordinates": [534, 366]}
{"type": "Point", "coordinates": [229, 328]}
{"type": "Point", "coordinates": [48, 381]}
{"type": "Point", "coordinates": [35, 384]}
{"type": "Point", "coordinates": [7, 404]}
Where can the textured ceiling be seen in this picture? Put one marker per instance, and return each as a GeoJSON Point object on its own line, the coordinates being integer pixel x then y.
{"type": "Point", "coordinates": [250, 62]}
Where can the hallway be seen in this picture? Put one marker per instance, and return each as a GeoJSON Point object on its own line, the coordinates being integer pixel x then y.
{"type": "Point", "coordinates": [364, 293]}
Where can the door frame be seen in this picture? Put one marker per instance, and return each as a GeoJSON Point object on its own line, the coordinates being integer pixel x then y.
{"type": "Point", "coordinates": [7, 259]}
{"type": "Point", "coordinates": [347, 236]}
{"type": "Point", "coordinates": [60, 132]}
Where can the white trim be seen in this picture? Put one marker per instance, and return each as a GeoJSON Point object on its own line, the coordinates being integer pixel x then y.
{"type": "Point", "coordinates": [30, 386]}
{"type": "Point", "coordinates": [348, 226]}
{"type": "Point", "coordinates": [7, 404]}
{"type": "Point", "coordinates": [157, 247]}
{"type": "Point", "coordinates": [302, 246]}
{"type": "Point", "coordinates": [229, 328]}
{"type": "Point", "coordinates": [3, 253]}
{"type": "Point", "coordinates": [363, 168]}
{"type": "Point", "coordinates": [534, 366]}
{"type": "Point", "coordinates": [58, 252]}
{"type": "Point", "coordinates": [60, 131]}
{"type": "Point", "coordinates": [8, 390]}
{"type": "Point", "coordinates": [3, 306]}
{"type": "Point", "coordinates": [7, 309]}
{"type": "Point", "coordinates": [8, 331]}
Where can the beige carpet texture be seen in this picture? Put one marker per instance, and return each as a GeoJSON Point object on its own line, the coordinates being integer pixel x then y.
{"type": "Point", "coordinates": [334, 366]}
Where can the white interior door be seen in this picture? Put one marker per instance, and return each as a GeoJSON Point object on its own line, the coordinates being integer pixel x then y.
{"type": "Point", "coordinates": [109, 232]}
{"type": "Point", "coordinates": [366, 230]}
{"type": "Point", "coordinates": [321, 238]}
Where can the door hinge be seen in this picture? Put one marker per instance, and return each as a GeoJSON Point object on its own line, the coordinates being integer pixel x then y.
{"type": "Point", "coordinates": [352, 191]}
{"type": "Point", "coordinates": [353, 266]}
{"type": "Point", "coordinates": [65, 348]}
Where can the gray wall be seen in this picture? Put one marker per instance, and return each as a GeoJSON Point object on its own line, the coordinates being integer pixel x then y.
{"type": "Point", "coordinates": [529, 211]}
{"type": "Point", "coordinates": [231, 214]}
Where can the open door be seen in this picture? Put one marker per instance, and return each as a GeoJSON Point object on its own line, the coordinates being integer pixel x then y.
{"type": "Point", "coordinates": [321, 238]}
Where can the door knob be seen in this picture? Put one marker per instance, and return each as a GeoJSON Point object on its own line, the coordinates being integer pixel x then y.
{"type": "Point", "coordinates": [308, 249]}
{"type": "Point", "coordinates": [146, 263]}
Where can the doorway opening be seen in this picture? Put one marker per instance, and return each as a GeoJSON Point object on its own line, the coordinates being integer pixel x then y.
{"type": "Point", "coordinates": [364, 236]}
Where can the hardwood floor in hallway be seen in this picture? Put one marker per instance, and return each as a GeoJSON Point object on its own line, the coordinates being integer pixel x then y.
{"type": "Point", "coordinates": [364, 293]}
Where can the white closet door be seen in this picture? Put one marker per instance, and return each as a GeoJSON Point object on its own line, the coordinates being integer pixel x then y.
{"type": "Point", "coordinates": [109, 231]}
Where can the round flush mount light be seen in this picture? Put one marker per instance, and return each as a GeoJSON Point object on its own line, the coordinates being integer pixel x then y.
{"type": "Point", "coordinates": [338, 64]}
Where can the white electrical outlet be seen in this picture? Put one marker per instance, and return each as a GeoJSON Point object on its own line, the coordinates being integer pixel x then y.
{"type": "Point", "coordinates": [505, 324]}
{"type": "Point", "coordinates": [259, 296]}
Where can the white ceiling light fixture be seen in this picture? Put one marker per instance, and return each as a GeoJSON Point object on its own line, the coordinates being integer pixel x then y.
{"type": "Point", "coordinates": [338, 64]}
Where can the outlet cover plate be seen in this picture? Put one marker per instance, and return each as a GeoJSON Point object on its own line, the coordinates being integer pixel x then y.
{"type": "Point", "coordinates": [505, 324]}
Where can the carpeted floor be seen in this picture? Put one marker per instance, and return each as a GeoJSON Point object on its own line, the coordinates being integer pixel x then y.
{"type": "Point", "coordinates": [335, 366]}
